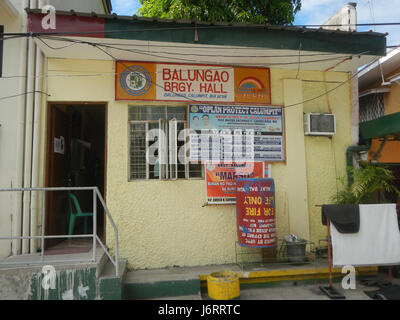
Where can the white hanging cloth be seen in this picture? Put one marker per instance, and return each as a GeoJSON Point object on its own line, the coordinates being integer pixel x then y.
{"type": "Point", "coordinates": [376, 243]}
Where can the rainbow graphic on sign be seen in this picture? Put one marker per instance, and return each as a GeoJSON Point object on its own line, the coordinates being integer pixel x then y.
{"type": "Point", "coordinates": [252, 86]}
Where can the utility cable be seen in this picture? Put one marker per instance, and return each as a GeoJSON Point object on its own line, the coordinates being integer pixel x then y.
{"type": "Point", "coordinates": [288, 106]}
{"type": "Point", "coordinates": [237, 26]}
{"type": "Point", "coordinates": [203, 61]}
{"type": "Point", "coordinates": [25, 93]}
{"type": "Point", "coordinates": [284, 107]}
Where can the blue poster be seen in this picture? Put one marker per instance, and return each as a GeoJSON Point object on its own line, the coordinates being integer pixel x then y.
{"type": "Point", "coordinates": [237, 133]}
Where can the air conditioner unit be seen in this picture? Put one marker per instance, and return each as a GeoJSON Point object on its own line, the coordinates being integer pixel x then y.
{"type": "Point", "coordinates": [319, 124]}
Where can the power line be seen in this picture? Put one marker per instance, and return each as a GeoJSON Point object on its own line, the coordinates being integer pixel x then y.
{"type": "Point", "coordinates": [247, 26]}
{"type": "Point", "coordinates": [193, 100]}
{"type": "Point", "coordinates": [198, 54]}
{"type": "Point", "coordinates": [341, 84]}
{"type": "Point", "coordinates": [197, 47]}
{"type": "Point", "coordinates": [25, 93]}
{"type": "Point", "coordinates": [157, 85]}
{"type": "Point", "coordinates": [200, 61]}
{"type": "Point", "coordinates": [113, 74]}
{"type": "Point", "coordinates": [284, 107]}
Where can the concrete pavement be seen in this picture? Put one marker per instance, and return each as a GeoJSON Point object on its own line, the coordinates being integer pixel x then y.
{"type": "Point", "coordinates": [295, 291]}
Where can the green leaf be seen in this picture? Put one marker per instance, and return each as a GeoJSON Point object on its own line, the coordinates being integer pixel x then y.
{"type": "Point", "coordinates": [278, 12]}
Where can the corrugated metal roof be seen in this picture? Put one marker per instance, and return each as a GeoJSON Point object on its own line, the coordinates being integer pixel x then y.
{"type": "Point", "coordinates": [201, 24]}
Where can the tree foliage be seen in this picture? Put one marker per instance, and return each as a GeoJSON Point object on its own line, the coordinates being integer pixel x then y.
{"type": "Point", "coordinates": [370, 185]}
{"type": "Point", "coordinates": [275, 12]}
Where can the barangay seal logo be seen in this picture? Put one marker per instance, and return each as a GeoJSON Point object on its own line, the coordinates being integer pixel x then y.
{"type": "Point", "coordinates": [135, 80]}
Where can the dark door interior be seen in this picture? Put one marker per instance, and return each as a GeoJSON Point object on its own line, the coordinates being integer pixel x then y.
{"type": "Point", "coordinates": [58, 149]}
{"type": "Point", "coordinates": [80, 163]}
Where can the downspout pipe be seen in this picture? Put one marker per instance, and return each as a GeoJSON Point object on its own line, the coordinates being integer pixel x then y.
{"type": "Point", "coordinates": [349, 156]}
{"type": "Point", "coordinates": [36, 148]}
{"type": "Point", "coordinates": [17, 212]}
{"type": "Point", "coordinates": [30, 103]}
{"type": "Point", "coordinates": [28, 145]}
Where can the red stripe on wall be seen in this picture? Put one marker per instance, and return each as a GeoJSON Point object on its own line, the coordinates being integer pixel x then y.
{"type": "Point", "coordinates": [68, 24]}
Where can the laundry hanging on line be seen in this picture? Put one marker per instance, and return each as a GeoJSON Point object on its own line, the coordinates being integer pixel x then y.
{"type": "Point", "coordinates": [345, 217]}
{"type": "Point", "coordinates": [377, 241]}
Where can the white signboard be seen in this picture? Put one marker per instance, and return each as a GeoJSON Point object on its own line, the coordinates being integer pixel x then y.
{"type": "Point", "coordinates": [203, 83]}
{"type": "Point", "coordinates": [59, 145]}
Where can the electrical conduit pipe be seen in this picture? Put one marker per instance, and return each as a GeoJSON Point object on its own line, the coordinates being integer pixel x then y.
{"type": "Point", "coordinates": [349, 157]}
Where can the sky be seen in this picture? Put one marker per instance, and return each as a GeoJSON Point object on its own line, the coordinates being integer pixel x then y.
{"type": "Point", "coordinates": [318, 11]}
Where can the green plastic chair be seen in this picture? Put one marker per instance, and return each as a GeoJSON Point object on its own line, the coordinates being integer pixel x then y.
{"type": "Point", "coordinates": [73, 202]}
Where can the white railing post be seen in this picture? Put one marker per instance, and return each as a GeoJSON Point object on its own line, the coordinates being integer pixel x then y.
{"type": "Point", "coordinates": [42, 237]}
{"type": "Point", "coordinates": [116, 254]}
{"type": "Point", "coordinates": [116, 264]}
{"type": "Point", "coordinates": [94, 223]}
{"type": "Point", "coordinates": [43, 222]}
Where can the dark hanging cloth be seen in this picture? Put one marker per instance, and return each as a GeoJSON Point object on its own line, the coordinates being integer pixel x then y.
{"type": "Point", "coordinates": [345, 217]}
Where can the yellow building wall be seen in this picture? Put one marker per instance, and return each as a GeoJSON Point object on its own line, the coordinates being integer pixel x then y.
{"type": "Point", "coordinates": [326, 156]}
{"type": "Point", "coordinates": [164, 223]}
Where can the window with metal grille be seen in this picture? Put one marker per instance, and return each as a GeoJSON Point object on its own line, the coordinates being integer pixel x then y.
{"type": "Point", "coordinates": [372, 106]}
{"type": "Point", "coordinates": [157, 144]}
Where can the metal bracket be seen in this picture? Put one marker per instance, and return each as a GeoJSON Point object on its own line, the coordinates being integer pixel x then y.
{"type": "Point", "coordinates": [378, 153]}
{"type": "Point", "coordinates": [196, 35]}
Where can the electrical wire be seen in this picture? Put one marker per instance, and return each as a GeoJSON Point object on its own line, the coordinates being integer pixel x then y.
{"type": "Point", "coordinates": [223, 64]}
{"type": "Point", "coordinates": [244, 25]}
{"type": "Point", "coordinates": [206, 47]}
{"type": "Point", "coordinates": [115, 59]}
{"type": "Point", "coordinates": [186, 47]}
{"type": "Point", "coordinates": [284, 107]}
{"type": "Point", "coordinates": [25, 93]}
{"type": "Point", "coordinates": [113, 74]}
{"type": "Point", "coordinates": [202, 61]}
{"type": "Point", "coordinates": [333, 89]}
{"type": "Point", "coordinates": [157, 85]}
{"type": "Point", "coordinates": [202, 47]}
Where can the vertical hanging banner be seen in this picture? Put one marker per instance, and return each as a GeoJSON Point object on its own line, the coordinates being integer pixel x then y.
{"type": "Point", "coordinates": [221, 179]}
{"type": "Point", "coordinates": [255, 212]}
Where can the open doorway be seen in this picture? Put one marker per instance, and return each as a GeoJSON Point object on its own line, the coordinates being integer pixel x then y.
{"type": "Point", "coordinates": [76, 153]}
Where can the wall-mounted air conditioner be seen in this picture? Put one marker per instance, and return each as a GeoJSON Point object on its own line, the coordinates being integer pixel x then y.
{"type": "Point", "coordinates": [319, 124]}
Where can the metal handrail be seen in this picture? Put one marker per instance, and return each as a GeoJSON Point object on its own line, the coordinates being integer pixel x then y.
{"type": "Point", "coordinates": [96, 195]}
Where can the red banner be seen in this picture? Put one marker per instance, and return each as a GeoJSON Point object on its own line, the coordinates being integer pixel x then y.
{"type": "Point", "coordinates": [255, 211]}
{"type": "Point", "coordinates": [221, 179]}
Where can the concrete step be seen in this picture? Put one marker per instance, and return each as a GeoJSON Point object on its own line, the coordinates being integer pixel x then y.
{"type": "Point", "coordinates": [111, 285]}
{"type": "Point", "coordinates": [167, 282]}
{"type": "Point", "coordinates": [22, 277]}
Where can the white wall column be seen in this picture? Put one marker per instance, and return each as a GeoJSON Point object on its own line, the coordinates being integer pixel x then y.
{"type": "Point", "coordinates": [296, 159]}
{"type": "Point", "coordinates": [355, 110]}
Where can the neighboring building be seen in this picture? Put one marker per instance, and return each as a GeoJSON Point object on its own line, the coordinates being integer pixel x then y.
{"type": "Point", "coordinates": [159, 208]}
{"type": "Point", "coordinates": [22, 69]}
{"type": "Point", "coordinates": [379, 103]}
{"type": "Point", "coordinates": [345, 19]}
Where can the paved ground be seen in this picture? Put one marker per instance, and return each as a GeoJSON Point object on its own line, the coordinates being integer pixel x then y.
{"type": "Point", "coordinates": [294, 291]}
{"type": "Point", "coordinates": [309, 292]}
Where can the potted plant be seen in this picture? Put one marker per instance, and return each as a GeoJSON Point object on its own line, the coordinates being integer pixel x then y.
{"type": "Point", "coordinates": [368, 184]}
